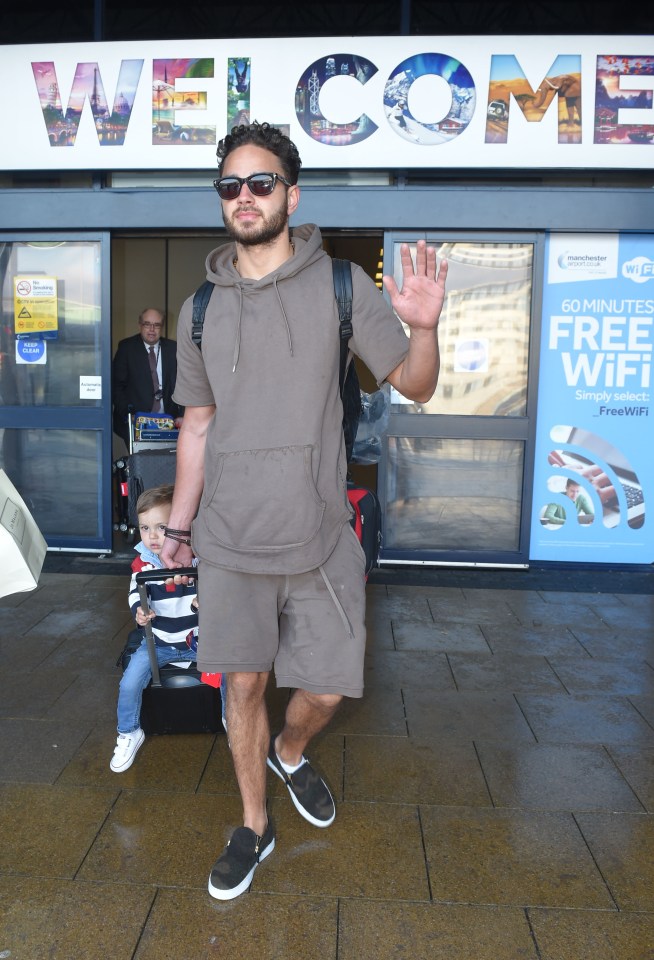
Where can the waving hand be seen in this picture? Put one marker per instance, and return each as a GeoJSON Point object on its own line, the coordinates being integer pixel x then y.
{"type": "Point", "coordinates": [420, 301]}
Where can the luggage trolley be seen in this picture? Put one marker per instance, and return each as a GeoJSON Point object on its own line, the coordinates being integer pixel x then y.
{"type": "Point", "coordinates": [150, 462]}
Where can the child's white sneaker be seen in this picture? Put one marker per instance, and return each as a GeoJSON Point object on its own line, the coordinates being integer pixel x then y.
{"type": "Point", "coordinates": [127, 746]}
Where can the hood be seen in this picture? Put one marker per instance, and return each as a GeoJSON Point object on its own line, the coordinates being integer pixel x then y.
{"type": "Point", "coordinates": [308, 247]}
{"type": "Point", "coordinates": [307, 243]}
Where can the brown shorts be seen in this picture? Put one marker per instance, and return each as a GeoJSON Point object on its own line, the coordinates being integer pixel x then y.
{"type": "Point", "coordinates": [309, 626]}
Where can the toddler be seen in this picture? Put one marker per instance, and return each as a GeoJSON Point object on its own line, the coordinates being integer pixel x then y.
{"type": "Point", "coordinates": [173, 612]}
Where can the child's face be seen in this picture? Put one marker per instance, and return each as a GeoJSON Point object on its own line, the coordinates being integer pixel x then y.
{"type": "Point", "coordinates": [152, 526]}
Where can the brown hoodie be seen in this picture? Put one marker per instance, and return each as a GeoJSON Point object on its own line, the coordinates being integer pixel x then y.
{"type": "Point", "coordinates": [274, 497]}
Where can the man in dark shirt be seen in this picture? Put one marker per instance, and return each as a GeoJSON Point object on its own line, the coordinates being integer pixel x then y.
{"type": "Point", "coordinates": [144, 373]}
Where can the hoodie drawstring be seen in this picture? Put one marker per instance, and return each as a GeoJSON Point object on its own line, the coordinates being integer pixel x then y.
{"type": "Point", "coordinates": [281, 307]}
{"type": "Point", "coordinates": [237, 341]}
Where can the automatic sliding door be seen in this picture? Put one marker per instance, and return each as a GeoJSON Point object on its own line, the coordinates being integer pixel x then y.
{"type": "Point", "coordinates": [55, 418]}
{"type": "Point", "coordinates": [453, 475]}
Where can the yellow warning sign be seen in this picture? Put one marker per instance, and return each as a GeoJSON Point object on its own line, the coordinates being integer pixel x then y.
{"type": "Point", "coordinates": [35, 304]}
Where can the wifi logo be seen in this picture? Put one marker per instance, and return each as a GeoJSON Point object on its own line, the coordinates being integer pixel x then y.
{"type": "Point", "coordinates": [640, 269]}
{"type": "Point", "coordinates": [588, 469]}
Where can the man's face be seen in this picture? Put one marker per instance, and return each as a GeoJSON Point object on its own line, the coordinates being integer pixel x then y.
{"type": "Point", "coordinates": [254, 220]}
{"type": "Point", "coordinates": [150, 325]}
{"type": "Point", "coordinates": [572, 491]}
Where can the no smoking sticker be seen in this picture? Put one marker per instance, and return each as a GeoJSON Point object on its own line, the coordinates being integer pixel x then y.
{"type": "Point", "coordinates": [35, 305]}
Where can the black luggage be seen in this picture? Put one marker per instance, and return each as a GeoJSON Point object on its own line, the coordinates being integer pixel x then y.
{"type": "Point", "coordinates": [366, 522]}
{"type": "Point", "coordinates": [176, 700]}
{"type": "Point", "coordinates": [135, 473]}
{"type": "Point", "coordinates": [367, 517]}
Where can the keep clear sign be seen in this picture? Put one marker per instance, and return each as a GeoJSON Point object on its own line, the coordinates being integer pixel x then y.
{"type": "Point", "coordinates": [31, 351]}
{"type": "Point", "coordinates": [594, 466]}
{"type": "Point", "coordinates": [35, 307]}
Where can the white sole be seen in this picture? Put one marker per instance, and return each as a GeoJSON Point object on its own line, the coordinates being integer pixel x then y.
{"type": "Point", "coordinates": [298, 806]}
{"type": "Point", "coordinates": [127, 764]}
{"type": "Point", "coordinates": [218, 894]}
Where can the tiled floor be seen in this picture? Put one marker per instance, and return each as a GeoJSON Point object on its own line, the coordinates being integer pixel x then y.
{"type": "Point", "coordinates": [495, 788]}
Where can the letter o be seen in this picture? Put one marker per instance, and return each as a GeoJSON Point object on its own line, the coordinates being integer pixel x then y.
{"type": "Point", "coordinates": [442, 129]}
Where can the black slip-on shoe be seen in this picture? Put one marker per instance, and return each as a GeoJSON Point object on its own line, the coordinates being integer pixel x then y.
{"type": "Point", "coordinates": [308, 790]}
{"type": "Point", "coordinates": [233, 870]}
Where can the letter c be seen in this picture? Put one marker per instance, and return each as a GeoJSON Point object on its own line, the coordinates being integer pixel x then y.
{"type": "Point", "coordinates": [307, 100]}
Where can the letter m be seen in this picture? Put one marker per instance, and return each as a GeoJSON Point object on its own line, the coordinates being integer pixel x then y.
{"type": "Point", "coordinates": [508, 81]}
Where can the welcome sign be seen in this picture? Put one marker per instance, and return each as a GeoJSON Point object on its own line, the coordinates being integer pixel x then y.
{"type": "Point", "coordinates": [355, 102]}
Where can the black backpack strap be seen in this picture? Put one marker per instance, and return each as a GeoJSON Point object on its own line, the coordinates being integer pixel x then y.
{"type": "Point", "coordinates": [201, 298]}
{"type": "Point", "coordinates": [342, 271]}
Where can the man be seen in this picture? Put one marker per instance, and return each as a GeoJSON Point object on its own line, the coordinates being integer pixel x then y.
{"type": "Point", "coordinates": [138, 360]}
{"type": "Point", "coordinates": [281, 570]}
{"type": "Point", "coordinates": [555, 513]}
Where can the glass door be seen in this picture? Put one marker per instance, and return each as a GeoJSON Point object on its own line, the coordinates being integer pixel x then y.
{"type": "Point", "coordinates": [454, 477]}
{"type": "Point", "coordinates": [55, 375]}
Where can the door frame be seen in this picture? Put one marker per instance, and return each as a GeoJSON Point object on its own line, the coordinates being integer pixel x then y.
{"type": "Point", "coordinates": [78, 418]}
{"type": "Point", "coordinates": [434, 426]}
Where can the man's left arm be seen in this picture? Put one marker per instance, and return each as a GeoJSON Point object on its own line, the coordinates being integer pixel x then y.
{"type": "Point", "coordinates": [584, 504]}
{"type": "Point", "coordinates": [418, 304]}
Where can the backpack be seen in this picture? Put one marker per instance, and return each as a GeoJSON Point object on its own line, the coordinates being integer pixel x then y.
{"type": "Point", "coordinates": [366, 521]}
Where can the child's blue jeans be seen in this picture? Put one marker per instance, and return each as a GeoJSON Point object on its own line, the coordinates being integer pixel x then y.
{"type": "Point", "coordinates": [135, 680]}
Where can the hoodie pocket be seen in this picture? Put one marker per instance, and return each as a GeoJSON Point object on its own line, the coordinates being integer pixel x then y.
{"type": "Point", "coordinates": [263, 500]}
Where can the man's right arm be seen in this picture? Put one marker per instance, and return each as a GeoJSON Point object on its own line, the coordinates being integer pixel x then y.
{"type": "Point", "coordinates": [189, 482]}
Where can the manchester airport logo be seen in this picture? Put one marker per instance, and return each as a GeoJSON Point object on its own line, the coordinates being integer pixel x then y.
{"type": "Point", "coordinates": [588, 262]}
{"type": "Point", "coordinates": [578, 257]}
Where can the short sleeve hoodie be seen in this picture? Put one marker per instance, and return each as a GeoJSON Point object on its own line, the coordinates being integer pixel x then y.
{"type": "Point", "coordinates": [274, 498]}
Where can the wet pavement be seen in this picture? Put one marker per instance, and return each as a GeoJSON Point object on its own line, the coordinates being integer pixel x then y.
{"type": "Point", "coordinates": [495, 786]}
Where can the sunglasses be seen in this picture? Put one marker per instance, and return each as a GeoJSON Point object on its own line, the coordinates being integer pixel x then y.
{"type": "Point", "coordinates": [259, 185]}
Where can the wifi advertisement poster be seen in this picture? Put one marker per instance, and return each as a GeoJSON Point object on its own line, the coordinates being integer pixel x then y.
{"type": "Point", "coordinates": [594, 463]}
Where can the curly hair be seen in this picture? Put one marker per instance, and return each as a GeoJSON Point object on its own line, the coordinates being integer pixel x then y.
{"type": "Point", "coordinates": [267, 137]}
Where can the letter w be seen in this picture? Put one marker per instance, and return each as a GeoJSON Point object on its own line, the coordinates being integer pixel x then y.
{"type": "Point", "coordinates": [111, 126]}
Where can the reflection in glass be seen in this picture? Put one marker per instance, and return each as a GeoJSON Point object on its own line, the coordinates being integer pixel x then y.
{"type": "Point", "coordinates": [447, 494]}
{"type": "Point", "coordinates": [57, 473]}
{"type": "Point", "coordinates": [483, 331]}
{"type": "Point", "coordinates": [75, 351]}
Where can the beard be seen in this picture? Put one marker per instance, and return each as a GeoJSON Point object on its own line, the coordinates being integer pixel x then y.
{"type": "Point", "coordinates": [255, 233]}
